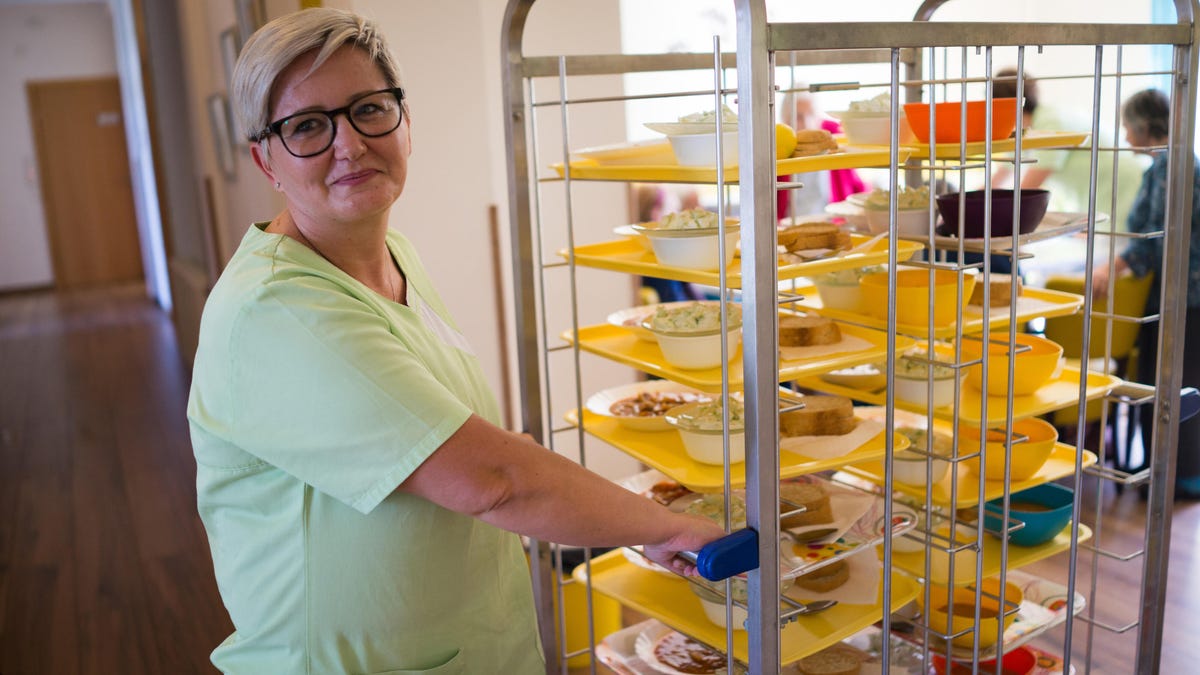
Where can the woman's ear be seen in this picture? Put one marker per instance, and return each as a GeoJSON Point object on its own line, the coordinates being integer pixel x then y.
{"type": "Point", "coordinates": [262, 160]}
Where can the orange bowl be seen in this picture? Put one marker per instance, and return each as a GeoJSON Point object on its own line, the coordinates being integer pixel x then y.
{"type": "Point", "coordinates": [913, 296]}
{"type": "Point", "coordinates": [1034, 366]}
{"type": "Point", "coordinates": [948, 129]}
{"type": "Point", "coordinates": [1027, 457]}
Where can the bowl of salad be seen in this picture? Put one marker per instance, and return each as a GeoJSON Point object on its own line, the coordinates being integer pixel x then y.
{"type": "Point", "coordinates": [912, 211]}
{"type": "Point", "coordinates": [690, 334]}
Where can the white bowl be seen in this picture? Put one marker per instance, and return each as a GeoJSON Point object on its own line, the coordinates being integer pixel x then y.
{"type": "Point", "coordinates": [632, 318]}
{"type": "Point", "coordinates": [840, 296]}
{"type": "Point", "coordinates": [601, 403]}
{"type": "Point", "coordinates": [909, 468]}
{"type": "Point", "coordinates": [697, 249]}
{"type": "Point", "coordinates": [914, 391]}
{"type": "Point", "coordinates": [696, 352]}
{"type": "Point", "coordinates": [872, 128]}
{"type": "Point", "coordinates": [707, 445]}
{"type": "Point", "coordinates": [701, 149]}
{"type": "Point", "coordinates": [908, 221]}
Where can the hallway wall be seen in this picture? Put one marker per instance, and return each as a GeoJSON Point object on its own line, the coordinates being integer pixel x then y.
{"type": "Point", "coordinates": [32, 40]}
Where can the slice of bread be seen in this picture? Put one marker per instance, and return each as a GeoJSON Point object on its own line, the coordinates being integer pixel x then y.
{"type": "Point", "coordinates": [820, 416]}
{"type": "Point", "coordinates": [807, 236]}
{"type": "Point", "coordinates": [1001, 287]}
{"type": "Point", "coordinates": [812, 496]}
{"type": "Point", "coordinates": [839, 659]}
{"type": "Point", "coordinates": [826, 578]}
{"type": "Point", "coordinates": [807, 331]}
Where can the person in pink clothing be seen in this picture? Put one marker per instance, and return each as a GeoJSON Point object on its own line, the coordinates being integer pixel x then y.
{"type": "Point", "coordinates": [799, 111]}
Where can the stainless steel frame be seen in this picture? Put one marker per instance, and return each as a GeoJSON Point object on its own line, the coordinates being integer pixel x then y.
{"type": "Point", "coordinates": [902, 45]}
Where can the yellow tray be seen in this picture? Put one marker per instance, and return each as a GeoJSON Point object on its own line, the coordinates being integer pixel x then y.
{"type": "Point", "coordinates": [668, 599]}
{"type": "Point", "coordinates": [1060, 464]}
{"type": "Point", "coordinates": [1033, 303]}
{"type": "Point", "coordinates": [1060, 392]}
{"type": "Point", "coordinates": [664, 451]}
{"type": "Point", "coordinates": [964, 568]}
{"type": "Point", "coordinates": [627, 255]}
{"type": "Point", "coordinates": [1032, 140]}
{"type": "Point", "coordinates": [623, 346]}
{"type": "Point", "coordinates": [849, 157]}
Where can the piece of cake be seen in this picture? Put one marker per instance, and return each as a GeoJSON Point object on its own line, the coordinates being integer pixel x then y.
{"type": "Point", "coordinates": [813, 497]}
{"type": "Point", "coordinates": [1001, 290]}
{"type": "Point", "coordinates": [826, 578]}
{"type": "Point", "coordinates": [807, 331]}
{"type": "Point", "coordinates": [820, 416]}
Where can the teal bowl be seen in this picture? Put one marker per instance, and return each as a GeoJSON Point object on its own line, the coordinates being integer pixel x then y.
{"type": "Point", "coordinates": [1045, 510]}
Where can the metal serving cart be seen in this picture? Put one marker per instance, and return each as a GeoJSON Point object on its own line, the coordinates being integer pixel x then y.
{"type": "Point", "coordinates": [957, 544]}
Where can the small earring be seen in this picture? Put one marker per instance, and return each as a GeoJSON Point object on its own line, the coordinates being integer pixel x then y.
{"type": "Point", "coordinates": [277, 186]}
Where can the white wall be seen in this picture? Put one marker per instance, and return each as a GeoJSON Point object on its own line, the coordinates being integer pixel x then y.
{"type": "Point", "coordinates": [32, 39]}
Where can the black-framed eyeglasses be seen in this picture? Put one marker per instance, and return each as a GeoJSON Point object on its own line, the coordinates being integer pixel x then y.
{"type": "Point", "coordinates": [310, 133]}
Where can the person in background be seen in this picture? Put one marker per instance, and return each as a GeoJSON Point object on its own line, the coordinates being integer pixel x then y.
{"type": "Point", "coordinates": [799, 110]}
{"type": "Point", "coordinates": [1065, 173]}
{"type": "Point", "coordinates": [361, 502]}
{"type": "Point", "coordinates": [1146, 119]}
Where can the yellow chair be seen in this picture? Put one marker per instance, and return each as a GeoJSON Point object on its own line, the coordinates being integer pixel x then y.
{"type": "Point", "coordinates": [1129, 299]}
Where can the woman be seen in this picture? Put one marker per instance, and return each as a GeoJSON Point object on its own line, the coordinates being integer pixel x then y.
{"type": "Point", "coordinates": [359, 499]}
{"type": "Point", "coordinates": [1146, 119]}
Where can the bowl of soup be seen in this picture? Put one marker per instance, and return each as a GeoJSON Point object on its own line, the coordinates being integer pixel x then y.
{"type": "Point", "coordinates": [951, 611]}
{"type": "Point", "coordinates": [1045, 510]}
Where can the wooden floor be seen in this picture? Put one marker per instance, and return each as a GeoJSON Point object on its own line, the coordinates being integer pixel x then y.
{"type": "Point", "coordinates": [104, 567]}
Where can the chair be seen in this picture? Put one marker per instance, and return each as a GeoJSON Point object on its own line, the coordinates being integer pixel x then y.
{"type": "Point", "coordinates": [1129, 299]}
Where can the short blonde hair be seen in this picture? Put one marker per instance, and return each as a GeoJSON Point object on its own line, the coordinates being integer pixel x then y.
{"type": "Point", "coordinates": [276, 45]}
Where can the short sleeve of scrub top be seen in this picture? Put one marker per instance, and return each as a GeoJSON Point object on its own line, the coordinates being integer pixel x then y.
{"type": "Point", "coordinates": [313, 399]}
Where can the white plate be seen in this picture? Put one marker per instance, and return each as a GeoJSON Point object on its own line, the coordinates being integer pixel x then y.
{"type": "Point", "coordinates": [600, 403]}
{"type": "Point", "coordinates": [631, 233]}
{"type": "Point", "coordinates": [631, 319]}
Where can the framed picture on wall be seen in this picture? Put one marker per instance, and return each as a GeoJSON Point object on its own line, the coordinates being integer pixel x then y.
{"type": "Point", "coordinates": [251, 15]}
{"type": "Point", "coordinates": [222, 133]}
{"type": "Point", "coordinates": [230, 45]}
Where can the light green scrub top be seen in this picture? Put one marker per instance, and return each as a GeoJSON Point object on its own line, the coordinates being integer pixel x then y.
{"type": "Point", "coordinates": [312, 399]}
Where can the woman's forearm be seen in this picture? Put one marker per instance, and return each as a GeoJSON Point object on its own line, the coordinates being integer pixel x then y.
{"type": "Point", "coordinates": [510, 481]}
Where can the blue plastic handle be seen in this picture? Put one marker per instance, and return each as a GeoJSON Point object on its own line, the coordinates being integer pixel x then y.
{"type": "Point", "coordinates": [1189, 403]}
{"type": "Point", "coordinates": [729, 555]}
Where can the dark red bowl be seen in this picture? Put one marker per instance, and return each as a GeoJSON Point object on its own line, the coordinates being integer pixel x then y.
{"type": "Point", "coordinates": [1033, 208]}
{"type": "Point", "coordinates": [1020, 661]}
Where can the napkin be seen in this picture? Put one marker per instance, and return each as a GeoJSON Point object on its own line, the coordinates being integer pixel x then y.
{"type": "Point", "coordinates": [861, 589]}
{"type": "Point", "coordinates": [847, 506]}
{"type": "Point", "coordinates": [828, 447]}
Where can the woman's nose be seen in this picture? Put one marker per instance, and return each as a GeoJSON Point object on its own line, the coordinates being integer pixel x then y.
{"type": "Point", "coordinates": [347, 141]}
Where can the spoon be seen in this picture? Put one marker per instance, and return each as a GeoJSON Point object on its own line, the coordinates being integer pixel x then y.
{"type": "Point", "coordinates": [805, 608]}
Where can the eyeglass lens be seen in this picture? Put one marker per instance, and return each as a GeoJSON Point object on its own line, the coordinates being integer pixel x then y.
{"type": "Point", "coordinates": [310, 133]}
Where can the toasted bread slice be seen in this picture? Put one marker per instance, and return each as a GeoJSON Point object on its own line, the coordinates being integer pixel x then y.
{"type": "Point", "coordinates": [807, 331]}
{"type": "Point", "coordinates": [820, 416]}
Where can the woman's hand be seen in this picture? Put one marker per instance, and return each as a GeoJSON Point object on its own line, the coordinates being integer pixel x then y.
{"type": "Point", "coordinates": [1101, 275]}
{"type": "Point", "coordinates": [695, 531]}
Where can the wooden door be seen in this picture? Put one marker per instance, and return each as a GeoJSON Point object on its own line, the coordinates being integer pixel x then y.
{"type": "Point", "coordinates": [87, 194]}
